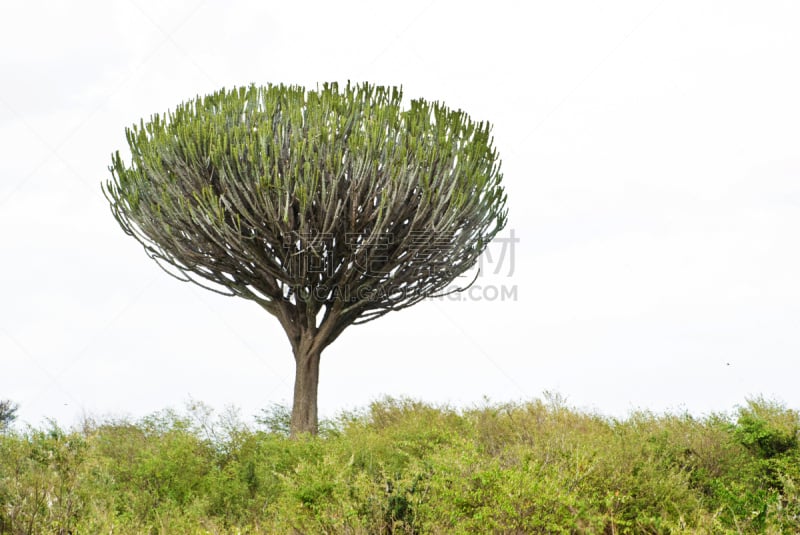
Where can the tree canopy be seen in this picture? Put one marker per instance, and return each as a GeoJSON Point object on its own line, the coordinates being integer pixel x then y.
{"type": "Point", "coordinates": [8, 413]}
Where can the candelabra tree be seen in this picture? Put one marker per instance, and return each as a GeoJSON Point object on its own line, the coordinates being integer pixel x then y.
{"type": "Point", "coordinates": [328, 207]}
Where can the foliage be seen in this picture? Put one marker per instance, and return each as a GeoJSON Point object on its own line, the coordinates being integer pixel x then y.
{"type": "Point", "coordinates": [8, 413]}
{"type": "Point", "coordinates": [406, 467]}
{"type": "Point", "coordinates": [234, 186]}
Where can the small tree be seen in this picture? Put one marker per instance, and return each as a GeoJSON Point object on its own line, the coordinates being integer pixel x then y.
{"type": "Point", "coordinates": [327, 208]}
{"type": "Point", "coordinates": [8, 413]}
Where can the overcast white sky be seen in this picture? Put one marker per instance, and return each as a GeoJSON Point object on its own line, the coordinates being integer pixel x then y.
{"type": "Point", "coordinates": [651, 154]}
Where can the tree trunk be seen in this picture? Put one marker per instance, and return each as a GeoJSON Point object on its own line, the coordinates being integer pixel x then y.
{"type": "Point", "coordinates": [306, 380]}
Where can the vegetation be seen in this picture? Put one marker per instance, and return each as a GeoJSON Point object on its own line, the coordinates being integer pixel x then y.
{"type": "Point", "coordinates": [8, 413]}
{"type": "Point", "coordinates": [402, 466]}
{"type": "Point", "coordinates": [327, 208]}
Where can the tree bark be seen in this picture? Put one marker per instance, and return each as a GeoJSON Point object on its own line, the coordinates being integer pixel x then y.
{"type": "Point", "coordinates": [306, 380]}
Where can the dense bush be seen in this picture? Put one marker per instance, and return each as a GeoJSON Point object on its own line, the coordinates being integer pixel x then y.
{"type": "Point", "coordinates": [405, 467]}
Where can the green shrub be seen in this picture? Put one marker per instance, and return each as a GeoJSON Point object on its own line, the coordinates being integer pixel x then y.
{"type": "Point", "coordinates": [767, 429]}
{"type": "Point", "coordinates": [406, 467]}
{"type": "Point", "coordinates": [41, 481]}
